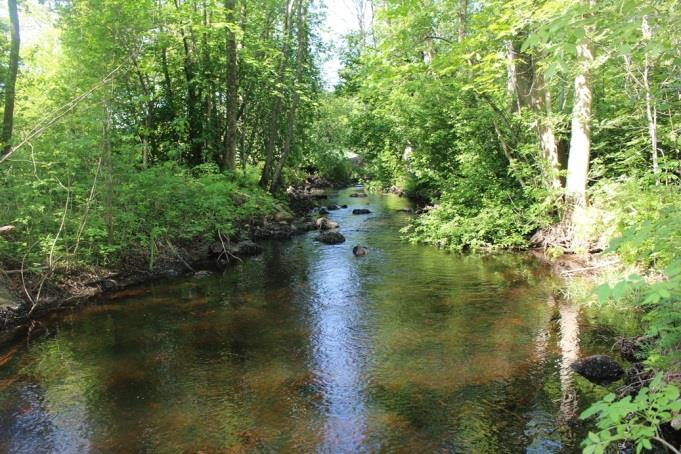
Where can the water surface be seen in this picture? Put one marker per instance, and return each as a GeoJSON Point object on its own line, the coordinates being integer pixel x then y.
{"type": "Point", "coordinates": [309, 349]}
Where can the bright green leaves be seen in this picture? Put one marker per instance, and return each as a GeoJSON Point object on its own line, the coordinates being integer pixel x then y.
{"type": "Point", "coordinates": [632, 419]}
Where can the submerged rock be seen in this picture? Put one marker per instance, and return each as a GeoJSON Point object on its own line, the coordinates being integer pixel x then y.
{"type": "Point", "coordinates": [343, 206]}
{"type": "Point", "coordinates": [361, 211]}
{"type": "Point", "coordinates": [599, 369]}
{"type": "Point", "coordinates": [358, 194]}
{"type": "Point", "coordinates": [360, 251]}
{"type": "Point", "coordinates": [246, 248]}
{"type": "Point", "coordinates": [330, 238]}
{"type": "Point", "coordinates": [325, 224]}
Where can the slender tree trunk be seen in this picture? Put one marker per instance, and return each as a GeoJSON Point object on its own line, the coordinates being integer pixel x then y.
{"type": "Point", "coordinates": [651, 109]}
{"type": "Point", "coordinates": [463, 16]}
{"type": "Point", "coordinates": [271, 142]}
{"type": "Point", "coordinates": [580, 140]}
{"type": "Point", "coordinates": [540, 98]}
{"type": "Point", "coordinates": [301, 15]}
{"type": "Point", "coordinates": [10, 83]}
{"type": "Point", "coordinates": [232, 88]}
{"type": "Point", "coordinates": [108, 165]}
{"type": "Point", "coordinates": [526, 86]}
{"type": "Point", "coordinates": [192, 100]}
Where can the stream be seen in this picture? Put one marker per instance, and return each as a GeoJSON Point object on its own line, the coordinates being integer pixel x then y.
{"type": "Point", "coordinates": [308, 349]}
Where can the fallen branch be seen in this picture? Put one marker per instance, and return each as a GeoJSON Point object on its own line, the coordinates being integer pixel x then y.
{"type": "Point", "coordinates": [7, 229]}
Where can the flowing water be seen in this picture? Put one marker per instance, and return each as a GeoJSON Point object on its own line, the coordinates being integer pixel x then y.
{"type": "Point", "coordinates": [308, 349]}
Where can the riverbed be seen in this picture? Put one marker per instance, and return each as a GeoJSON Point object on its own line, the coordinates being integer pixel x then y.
{"type": "Point", "coordinates": [307, 348]}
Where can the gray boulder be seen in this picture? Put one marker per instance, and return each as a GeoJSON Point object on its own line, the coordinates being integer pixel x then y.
{"type": "Point", "coordinates": [361, 211]}
{"type": "Point", "coordinates": [330, 238]}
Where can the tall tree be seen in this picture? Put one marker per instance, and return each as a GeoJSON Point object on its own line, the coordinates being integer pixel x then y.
{"type": "Point", "coordinates": [11, 82]}
{"type": "Point", "coordinates": [291, 117]}
{"type": "Point", "coordinates": [273, 127]}
{"type": "Point", "coordinates": [232, 87]}
{"type": "Point", "coordinates": [580, 140]}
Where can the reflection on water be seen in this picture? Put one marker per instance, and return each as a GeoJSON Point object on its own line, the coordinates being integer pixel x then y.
{"type": "Point", "coordinates": [310, 349]}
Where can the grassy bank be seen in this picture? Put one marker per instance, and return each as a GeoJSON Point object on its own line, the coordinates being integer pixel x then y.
{"type": "Point", "coordinates": [135, 221]}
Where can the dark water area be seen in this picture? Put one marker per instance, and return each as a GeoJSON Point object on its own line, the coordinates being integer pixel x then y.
{"type": "Point", "coordinates": [308, 349]}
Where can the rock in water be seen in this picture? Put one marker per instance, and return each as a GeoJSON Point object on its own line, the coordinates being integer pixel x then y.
{"type": "Point", "coordinates": [330, 238]}
{"type": "Point", "coordinates": [324, 224]}
{"type": "Point", "coordinates": [599, 369]}
{"type": "Point", "coordinates": [358, 194]}
{"type": "Point", "coordinates": [361, 211]}
{"type": "Point", "coordinates": [333, 207]}
{"type": "Point", "coordinates": [323, 210]}
{"type": "Point", "coordinates": [360, 251]}
{"type": "Point", "coordinates": [246, 248]}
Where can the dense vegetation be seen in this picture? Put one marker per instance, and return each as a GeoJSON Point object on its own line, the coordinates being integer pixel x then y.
{"type": "Point", "coordinates": [536, 122]}
{"type": "Point", "coordinates": [138, 122]}
{"type": "Point", "coordinates": [130, 124]}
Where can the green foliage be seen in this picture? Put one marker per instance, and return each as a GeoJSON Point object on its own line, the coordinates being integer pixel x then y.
{"type": "Point", "coordinates": [149, 207]}
{"type": "Point", "coordinates": [636, 420]}
{"type": "Point", "coordinates": [648, 222]}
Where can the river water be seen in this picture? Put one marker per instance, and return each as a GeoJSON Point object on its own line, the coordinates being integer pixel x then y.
{"type": "Point", "coordinates": [308, 349]}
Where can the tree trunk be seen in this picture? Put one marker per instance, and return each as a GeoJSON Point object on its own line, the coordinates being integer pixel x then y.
{"type": "Point", "coordinates": [10, 83]}
{"type": "Point", "coordinates": [526, 86]}
{"type": "Point", "coordinates": [231, 89]}
{"type": "Point", "coordinates": [540, 99]}
{"type": "Point", "coordinates": [301, 16]}
{"type": "Point", "coordinates": [580, 141]}
{"type": "Point", "coordinates": [651, 109]}
{"type": "Point", "coordinates": [463, 14]}
{"type": "Point", "coordinates": [271, 142]}
{"type": "Point", "coordinates": [192, 100]}
{"type": "Point", "coordinates": [108, 163]}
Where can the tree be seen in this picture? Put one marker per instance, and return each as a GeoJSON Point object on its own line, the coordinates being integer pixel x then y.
{"type": "Point", "coordinates": [10, 83]}
{"type": "Point", "coordinates": [580, 141]}
{"type": "Point", "coordinates": [231, 87]}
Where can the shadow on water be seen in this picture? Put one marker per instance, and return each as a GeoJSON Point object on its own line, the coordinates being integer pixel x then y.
{"type": "Point", "coordinates": [310, 349]}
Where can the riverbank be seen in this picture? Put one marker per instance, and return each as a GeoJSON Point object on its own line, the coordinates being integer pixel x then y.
{"type": "Point", "coordinates": [27, 296]}
{"type": "Point", "coordinates": [408, 346]}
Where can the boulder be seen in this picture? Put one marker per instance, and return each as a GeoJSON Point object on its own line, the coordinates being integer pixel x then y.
{"type": "Point", "coordinates": [333, 207]}
{"type": "Point", "coordinates": [330, 238]}
{"type": "Point", "coordinates": [599, 369]}
{"type": "Point", "coordinates": [343, 206]}
{"type": "Point", "coordinates": [246, 248]}
{"type": "Point", "coordinates": [361, 211]}
{"type": "Point", "coordinates": [360, 251]}
{"type": "Point", "coordinates": [325, 224]}
{"type": "Point", "coordinates": [323, 211]}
